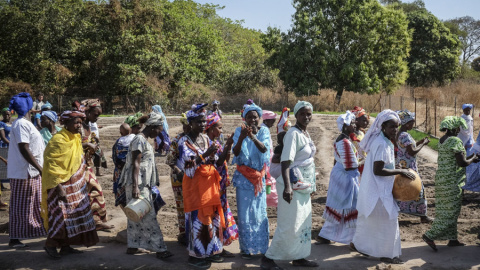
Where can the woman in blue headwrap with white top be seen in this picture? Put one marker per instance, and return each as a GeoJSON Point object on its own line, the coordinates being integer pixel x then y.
{"type": "Point", "coordinates": [162, 141]}
{"type": "Point", "coordinates": [252, 154]}
{"type": "Point", "coordinates": [466, 135]}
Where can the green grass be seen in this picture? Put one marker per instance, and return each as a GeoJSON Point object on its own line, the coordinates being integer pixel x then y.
{"type": "Point", "coordinates": [418, 135]}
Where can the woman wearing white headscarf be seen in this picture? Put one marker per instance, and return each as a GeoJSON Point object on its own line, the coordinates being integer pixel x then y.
{"type": "Point", "coordinates": [340, 213]}
{"type": "Point", "coordinates": [377, 233]}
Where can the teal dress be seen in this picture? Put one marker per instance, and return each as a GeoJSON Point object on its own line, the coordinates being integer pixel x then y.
{"type": "Point", "coordinates": [46, 135]}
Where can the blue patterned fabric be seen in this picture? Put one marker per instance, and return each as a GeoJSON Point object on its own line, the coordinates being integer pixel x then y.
{"type": "Point", "coordinates": [6, 129]}
{"type": "Point", "coordinates": [252, 219]}
{"type": "Point", "coordinates": [203, 240]}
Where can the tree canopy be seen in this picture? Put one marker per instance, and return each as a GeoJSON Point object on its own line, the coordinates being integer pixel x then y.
{"type": "Point", "coordinates": [358, 46]}
{"type": "Point", "coordinates": [127, 47]}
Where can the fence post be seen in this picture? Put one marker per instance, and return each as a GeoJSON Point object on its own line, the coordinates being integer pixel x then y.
{"type": "Point", "coordinates": [426, 115]}
{"type": "Point", "coordinates": [401, 103]}
{"type": "Point", "coordinates": [390, 101]}
{"type": "Point", "coordinates": [415, 111]}
{"type": "Point", "coordinates": [435, 128]}
{"type": "Point", "coordinates": [455, 105]}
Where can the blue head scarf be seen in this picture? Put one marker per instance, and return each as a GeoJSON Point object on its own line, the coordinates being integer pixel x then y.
{"type": "Point", "coordinates": [196, 111]}
{"type": "Point", "coordinates": [158, 110]}
{"type": "Point", "coordinates": [252, 107]}
{"type": "Point", "coordinates": [21, 103]}
{"type": "Point", "coordinates": [46, 106]}
{"type": "Point", "coordinates": [51, 115]}
{"type": "Point", "coordinates": [467, 105]}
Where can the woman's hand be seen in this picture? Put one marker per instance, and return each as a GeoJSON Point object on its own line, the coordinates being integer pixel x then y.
{"type": "Point", "coordinates": [476, 159]}
{"type": "Point", "coordinates": [135, 193]}
{"type": "Point", "coordinates": [410, 175]}
{"type": "Point", "coordinates": [229, 141]}
{"type": "Point", "coordinates": [288, 194]}
{"type": "Point", "coordinates": [211, 150]}
{"type": "Point", "coordinates": [91, 147]}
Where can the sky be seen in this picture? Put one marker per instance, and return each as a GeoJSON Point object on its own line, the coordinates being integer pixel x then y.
{"type": "Point", "coordinates": [260, 14]}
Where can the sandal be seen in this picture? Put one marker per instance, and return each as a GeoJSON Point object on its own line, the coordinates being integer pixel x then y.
{"type": "Point", "coordinates": [247, 256]}
{"type": "Point", "coordinates": [215, 259]}
{"type": "Point", "coordinates": [304, 263]}
{"type": "Point", "coordinates": [429, 242]}
{"type": "Point", "coordinates": [164, 255]}
{"type": "Point", "coordinates": [455, 243]}
{"type": "Point", "coordinates": [395, 260]}
{"type": "Point", "coordinates": [104, 227]}
{"type": "Point", "coordinates": [18, 245]}
{"type": "Point", "coordinates": [353, 248]}
{"type": "Point", "coordinates": [322, 241]}
{"type": "Point", "coordinates": [426, 219]}
{"type": "Point", "coordinates": [269, 264]}
{"type": "Point", "coordinates": [227, 254]}
{"type": "Point", "coordinates": [69, 250]}
{"type": "Point", "coordinates": [52, 252]}
{"type": "Point", "coordinates": [133, 251]}
{"type": "Point", "coordinates": [199, 263]}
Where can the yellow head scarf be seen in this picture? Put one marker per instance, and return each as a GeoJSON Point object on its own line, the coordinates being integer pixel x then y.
{"type": "Point", "coordinates": [62, 158]}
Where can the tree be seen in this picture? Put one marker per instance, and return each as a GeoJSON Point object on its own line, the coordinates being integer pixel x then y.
{"type": "Point", "coordinates": [358, 46]}
{"type": "Point", "coordinates": [434, 55]}
{"type": "Point", "coordinates": [469, 35]}
{"type": "Point", "coordinates": [476, 64]}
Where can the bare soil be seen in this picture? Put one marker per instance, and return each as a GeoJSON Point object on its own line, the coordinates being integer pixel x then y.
{"type": "Point", "coordinates": [109, 253]}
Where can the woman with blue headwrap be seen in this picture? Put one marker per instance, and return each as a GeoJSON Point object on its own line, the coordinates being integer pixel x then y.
{"type": "Point", "coordinates": [25, 156]}
{"type": "Point", "coordinates": [252, 155]}
{"type": "Point", "coordinates": [5, 127]}
{"type": "Point", "coordinates": [48, 120]}
{"type": "Point", "coordinates": [162, 141]}
{"type": "Point", "coordinates": [37, 118]}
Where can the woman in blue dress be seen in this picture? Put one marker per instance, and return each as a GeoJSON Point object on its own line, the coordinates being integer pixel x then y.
{"type": "Point", "coordinates": [252, 154]}
{"type": "Point", "coordinates": [5, 127]}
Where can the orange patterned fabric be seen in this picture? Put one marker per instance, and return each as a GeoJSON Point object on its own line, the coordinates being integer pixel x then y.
{"type": "Point", "coordinates": [255, 177]}
{"type": "Point", "coordinates": [202, 193]}
{"type": "Point", "coordinates": [97, 200]}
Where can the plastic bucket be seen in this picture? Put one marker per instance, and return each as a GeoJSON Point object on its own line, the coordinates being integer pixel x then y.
{"type": "Point", "coordinates": [136, 209]}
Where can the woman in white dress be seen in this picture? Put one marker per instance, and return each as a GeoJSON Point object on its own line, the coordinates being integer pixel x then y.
{"type": "Point", "coordinates": [377, 233]}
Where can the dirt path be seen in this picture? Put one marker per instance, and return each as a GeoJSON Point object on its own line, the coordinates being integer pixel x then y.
{"type": "Point", "coordinates": [110, 252]}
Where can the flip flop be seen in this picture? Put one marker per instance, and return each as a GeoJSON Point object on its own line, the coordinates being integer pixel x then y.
{"type": "Point", "coordinates": [353, 248]}
{"type": "Point", "coordinates": [198, 263]}
{"type": "Point", "coordinates": [455, 243]}
{"type": "Point", "coordinates": [395, 260]}
{"type": "Point", "coordinates": [164, 255]}
{"type": "Point", "coordinates": [69, 250]}
{"type": "Point", "coordinates": [215, 258]}
{"type": "Point", "coordinates": [227, 254]}
{"type": "Point", "coordinates": [19, 246]}
{"type": "Point", "coordinates": [247, 256]}
{"type": "Point", "coordinates": [304, 263]}
{"type": "Point", "coordinates": [270, 268]}
{"type": "Point", "coordinates": [52, 252]}
{"type": "Point", "coordinates": [429, 242]}
{"type": "Point", "coordinates": [104, 228]}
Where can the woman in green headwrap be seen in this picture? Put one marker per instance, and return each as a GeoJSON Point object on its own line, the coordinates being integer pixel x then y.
{"type": "Point", "coordinates": [449, 180]}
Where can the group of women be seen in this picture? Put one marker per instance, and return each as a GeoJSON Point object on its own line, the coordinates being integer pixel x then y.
{"type": "Point", "coordinates": [60, 197]}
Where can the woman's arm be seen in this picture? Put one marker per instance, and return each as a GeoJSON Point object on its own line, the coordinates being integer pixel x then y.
{"type": "Point", "coordinates": [380, 170]}
{"type": "Point", "coordinates": [137, 158]}
{"type": "Point", "coordinates": [287, 192]}
{"type": "Point", "coordinates": [225, 156]}
{"type": "Point", "coordinates": [2, 136]}
{"type": "Point", "coordinates": [238, 146]}
{"type": "Point", "coordinates": [28, 156]}
{"type": "Point", "coordinates": [420, 144]}
{"type": "Point", "coordinates": [462, 161]}
{"type": "Point", "coordinates": [260, 146]}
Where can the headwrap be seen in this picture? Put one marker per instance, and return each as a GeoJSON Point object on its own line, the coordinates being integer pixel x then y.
{"type": "Point", "coordinates": [268, 115]}
{"type": "Point", "coordinates": [158, 109]}
{"type": "Point", "coordinates": [51, 115]}
{"type": "Point", "coordinates": [452, 122]}
{"type": "Point", "coordinates": [46, 106]}
{"type": "Point", "coordinates": [6, 109]}
{"type": "Point", "coordinates": [90, 103]}
{"type": "Point", "coordinates": [405, 116]}
{"type": "Point", "coordinates": [284, 124]}
{"type": "Point", "coordinates": [155, 119]}
{"type": "Point", "coordinates": [467, 105]}
{"type": "Point", "coordinates": [216, 102]}
{"type": "Point", "coordinates": [376, 128]}
{"type": "Point", "coordinates": [132, 120]}
{"type": "Point", "coordinates": [345, 119]}
{"type": "Point", "coordinates": [250, 101]}
{"type": "Point", "coordinates": [212, 119]}
{"type": "Point", "coordinates": [252, 107]}
{"type": "Point", "coordinates": [67, 115]}
{"type": "Point", "coordinates": [302, 104]}
{"type": "Point", "coordinates": [358, 111]}
{"type": "Point", "coordinates": [21, 103]}
{"type": "Point", "coordinates": [196, 111]}
{"type": "Point", "coordinates": [183, 119]}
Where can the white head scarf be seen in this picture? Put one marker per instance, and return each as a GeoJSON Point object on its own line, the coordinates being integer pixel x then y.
{"type": "Point", "coordinates": [346, 119]}
{"type": "Point", "coordinates": [376, 128]}
{"type": "Point", "coordinates": [155, 119]}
